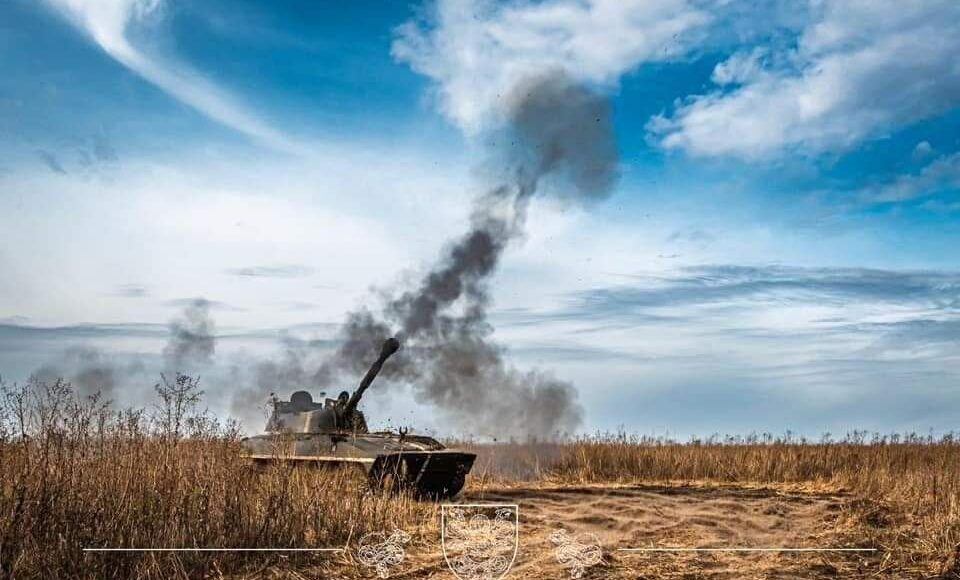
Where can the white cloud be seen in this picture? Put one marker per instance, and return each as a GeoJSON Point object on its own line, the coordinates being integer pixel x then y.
{"type": "Point", "coordinates": [942, 173]}
{"type": "Point", "coordinates": [923, 150]}
{"type": "Point", "coordinates": [478, 50]}
{"type": "Point", "coordinates": [742, 67]}
{"type": "Point", "coordinates": [107, 22]}
{"type": "Point", "coordinates": [860, 69]}
{"type": "Point", "coordinates": [353, 216]}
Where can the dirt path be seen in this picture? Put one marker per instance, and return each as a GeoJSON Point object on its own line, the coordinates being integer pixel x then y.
{"type": "Point", "coordinates": [659, 516]}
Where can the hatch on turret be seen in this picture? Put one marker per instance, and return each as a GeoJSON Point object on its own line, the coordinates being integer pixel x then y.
{"type": "Point", "coordinates": [302, 415]}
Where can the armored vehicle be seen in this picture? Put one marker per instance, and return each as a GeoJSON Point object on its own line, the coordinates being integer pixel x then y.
{"type": "Point", "coordinates": [334, 433]}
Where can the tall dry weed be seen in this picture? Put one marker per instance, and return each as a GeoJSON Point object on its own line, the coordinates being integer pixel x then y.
{"type": "Point", "coordinates": [908, 486]}
{"type": "Point", "coordinates": [76, 474]}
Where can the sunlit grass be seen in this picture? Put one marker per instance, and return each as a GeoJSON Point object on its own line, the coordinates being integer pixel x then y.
{"type": "Point", "coordinates": [75, 473]}
{"type": "Point", "coordinates": [906, 488]}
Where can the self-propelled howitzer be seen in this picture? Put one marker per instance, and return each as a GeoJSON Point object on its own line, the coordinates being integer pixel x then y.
{"type": "Point", "coordinates": [335, 433]}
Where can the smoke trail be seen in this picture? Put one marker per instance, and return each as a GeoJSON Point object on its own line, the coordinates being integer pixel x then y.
{"type": "Point", "coordinates": [87, 369]}
{"type": "Point", "coordinates": [558, 141]}
{"type": "Point", "coordinates": [192, 341]}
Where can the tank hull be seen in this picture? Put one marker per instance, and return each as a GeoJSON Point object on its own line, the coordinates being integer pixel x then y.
{"type": "Point", "coordinates": [390, 461]}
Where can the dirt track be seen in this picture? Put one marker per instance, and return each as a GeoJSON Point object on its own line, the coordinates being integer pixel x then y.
{"type": "Point", "coordinates": [677, 516]}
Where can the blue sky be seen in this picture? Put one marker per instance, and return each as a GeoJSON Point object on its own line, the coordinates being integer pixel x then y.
{"type": "Point", "coordinates": [776, 255]}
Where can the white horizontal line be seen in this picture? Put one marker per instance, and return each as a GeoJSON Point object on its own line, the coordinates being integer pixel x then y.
{"type": "Point", "coordinates": [480, 505]}
{"type": "Point", "coordinates": [314, 458]}
{"type": "Point", "coordinates": [746, 549]}
{"type": "Point", "coordinates": [214, 549]}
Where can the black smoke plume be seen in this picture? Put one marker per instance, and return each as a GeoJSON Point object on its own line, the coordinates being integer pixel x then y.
{"type": "Point", "coordinates": [87, 369]}
{"type": "Point", "coordinates": [190, 346]}
{"type": "Point", "coordinates": [558, 141]}
{"type": "Point", "coordinates": [192, 339]}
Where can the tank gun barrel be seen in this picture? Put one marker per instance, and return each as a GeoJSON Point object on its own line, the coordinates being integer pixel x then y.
{"type": "Point", "coordinates": [390, 346]}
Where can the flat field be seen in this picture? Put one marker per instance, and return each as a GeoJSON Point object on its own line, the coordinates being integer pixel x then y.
{"type": "Point", "coordinates": [76, 474]}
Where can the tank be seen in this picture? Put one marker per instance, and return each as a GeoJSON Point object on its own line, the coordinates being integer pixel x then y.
{"type": "Point", "coordinates": [334, 433]}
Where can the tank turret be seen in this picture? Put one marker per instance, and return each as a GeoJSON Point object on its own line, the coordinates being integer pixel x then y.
{"type": "Point", "coordinates": [301, 415]}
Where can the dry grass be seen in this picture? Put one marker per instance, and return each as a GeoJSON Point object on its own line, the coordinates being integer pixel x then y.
{"type": "Point", "coordinates": [906, 488]}
{"type": "Point", "coordinates": [76, 474]}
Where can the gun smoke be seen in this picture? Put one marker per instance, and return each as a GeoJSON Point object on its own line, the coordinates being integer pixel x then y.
{"type": "Point", "coordinates": [192, 339]}
{"type": "Point", "coordinates": [190, 346]}
{"type": "Point", "coordinates": [558, 141]}
{"type": "Point", "coordinates": [89, 370]}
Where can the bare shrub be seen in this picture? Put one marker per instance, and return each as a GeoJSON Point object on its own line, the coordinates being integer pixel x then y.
{"type": "Point", "coordinates": [77, 474]}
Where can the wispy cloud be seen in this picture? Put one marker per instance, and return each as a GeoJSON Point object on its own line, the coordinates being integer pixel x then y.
{"type": "Point", "coordinates": [276, 271]}
{"type": "Point", "coordinates": [97, 149]}
{"type": "Point", "coordinates": [722, 346]}
{"type": "Point", "coordinates": [20, 331]}
{"type": "Point", "coordinates": [51, 161]}
{"type": "Point", "coordinates": [712, 347]}
{"type": "Point", "coordinates": [780, 284]}
{"type": "Point", "coordinates": [108, 23]}
{"type": "Point", "coordinates": [695, 236]}
{"type": "Point", "coordinates": [211, 304]}
{"type": "Point", "coordinates": [943, 173]}
{"type": "Point", "coordinates": [771, 304]}
{"type": "Point", "coordinates": [298, 306]}
{"type": "Point", "coordinates": [131, 291]}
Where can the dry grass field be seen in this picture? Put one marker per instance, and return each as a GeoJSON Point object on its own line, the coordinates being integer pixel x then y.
{"type": "Point", "coordinates": [897, 494]}
{"type": "Point", "coordinates": [75, 474]}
